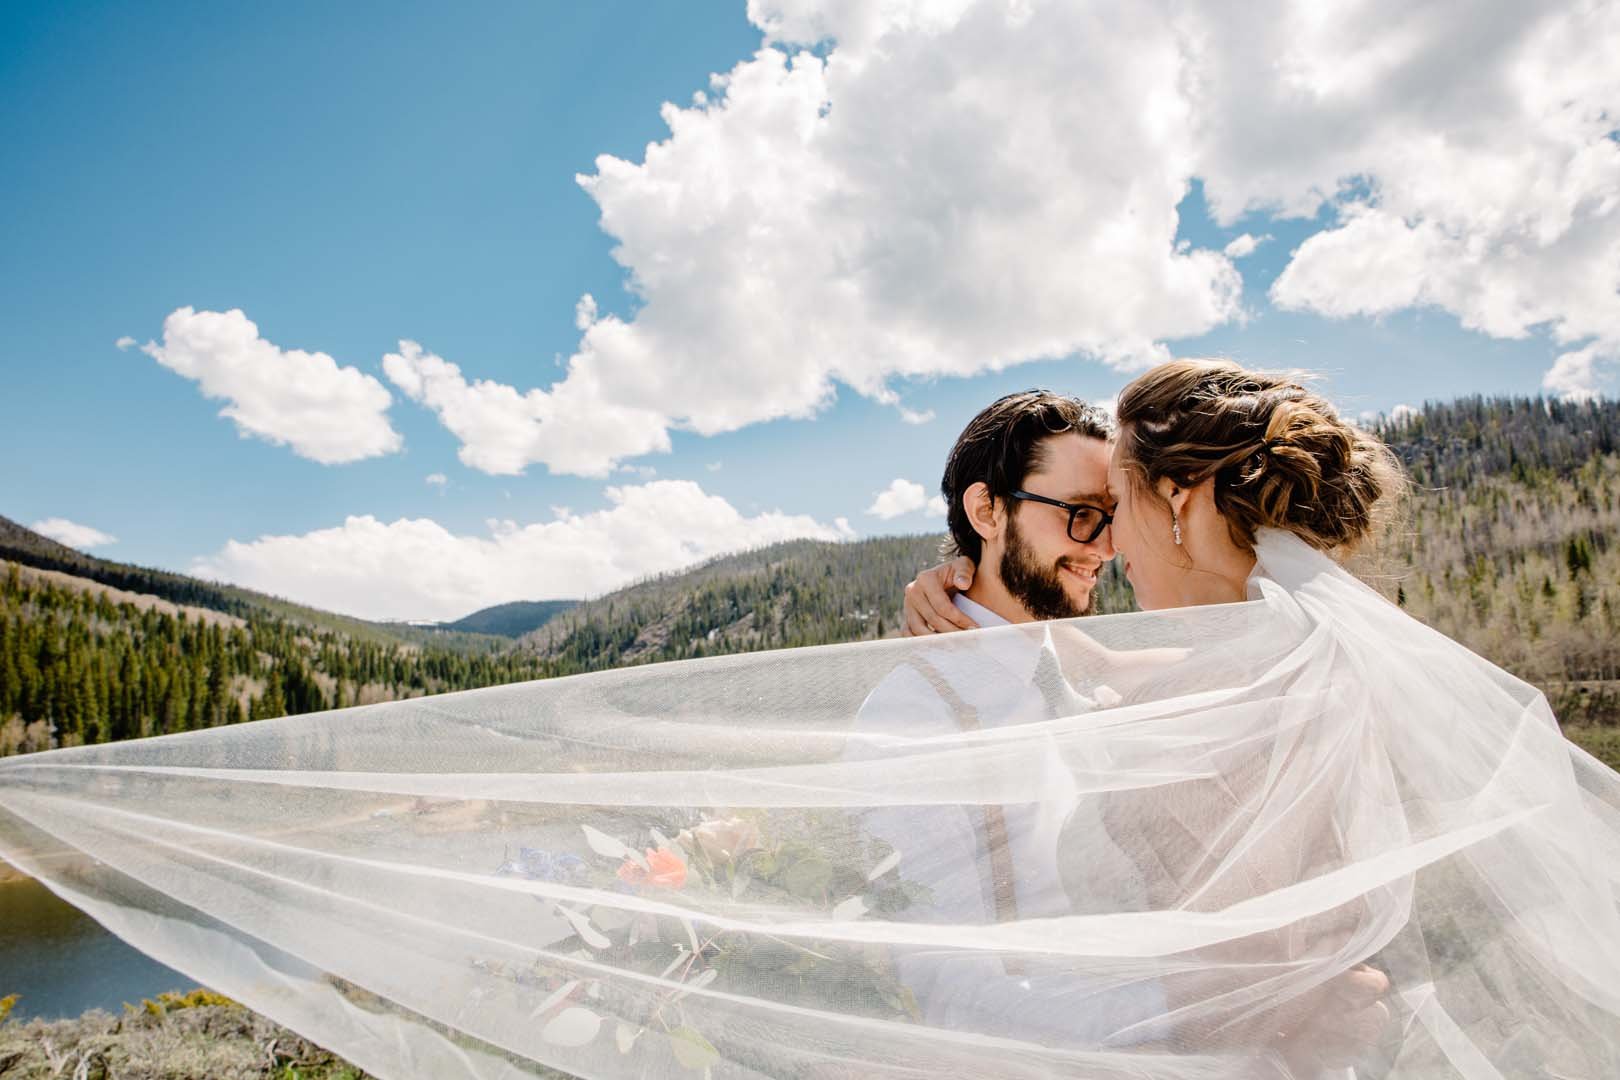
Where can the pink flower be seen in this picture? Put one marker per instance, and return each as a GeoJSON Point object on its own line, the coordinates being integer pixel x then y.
{"type": "Point", "coordinates": [665, 870]}
{"type": "Point", "coordinates": [722, 839]}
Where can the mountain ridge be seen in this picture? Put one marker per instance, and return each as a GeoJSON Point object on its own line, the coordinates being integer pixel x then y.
{"type": "Point", "coordinates": [512, 619]}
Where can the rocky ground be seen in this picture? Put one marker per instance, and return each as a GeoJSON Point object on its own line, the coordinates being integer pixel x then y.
{"type": "Point", "coordinates": [196, 1036]}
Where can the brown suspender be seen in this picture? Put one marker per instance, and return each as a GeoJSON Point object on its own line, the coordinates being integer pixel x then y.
{"type": "Point", "coordinates": [995, 821]}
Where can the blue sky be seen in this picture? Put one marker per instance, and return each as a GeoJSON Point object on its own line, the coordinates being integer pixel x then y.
{"type": "Point", "coordinates": [350, 176]}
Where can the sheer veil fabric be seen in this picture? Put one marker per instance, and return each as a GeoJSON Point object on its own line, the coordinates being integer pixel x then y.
{"type": "Point", "coordinates": [1127, 846]}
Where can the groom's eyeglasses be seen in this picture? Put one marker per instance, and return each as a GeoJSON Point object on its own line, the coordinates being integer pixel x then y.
{"type": "Point", "coordinates": [1086, 523]}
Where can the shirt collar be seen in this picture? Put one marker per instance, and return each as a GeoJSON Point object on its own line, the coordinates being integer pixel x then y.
{"type": "Point", "coordinates": [978, 612]}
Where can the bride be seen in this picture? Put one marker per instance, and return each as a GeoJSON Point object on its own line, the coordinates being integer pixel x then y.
{"type": "Point", "coordinates": [1279, 827]}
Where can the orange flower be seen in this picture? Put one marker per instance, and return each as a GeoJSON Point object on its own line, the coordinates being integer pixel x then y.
{"type": "Point", "coordinates": [666, 870]}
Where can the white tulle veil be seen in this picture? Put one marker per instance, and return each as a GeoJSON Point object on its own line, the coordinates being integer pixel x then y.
{"type": "Point", "coordinates": [1125, 846]}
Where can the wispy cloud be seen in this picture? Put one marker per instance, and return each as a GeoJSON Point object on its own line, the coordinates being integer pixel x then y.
{"type": "Point", "coordinates": [73, 534]}
{"type": "Point", "coordinates": [1243, 245]}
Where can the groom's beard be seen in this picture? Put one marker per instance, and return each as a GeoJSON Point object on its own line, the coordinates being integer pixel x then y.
{"type": "Point", "coordinates": [1039, 588]}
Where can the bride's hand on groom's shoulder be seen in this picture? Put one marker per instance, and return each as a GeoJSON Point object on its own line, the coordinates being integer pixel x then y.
{"type": "Point", "coordinates": [928, 605]}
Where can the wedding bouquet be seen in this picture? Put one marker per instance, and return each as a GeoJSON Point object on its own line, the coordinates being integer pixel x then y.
{"type": "Point", "coordinates": [751, 864]}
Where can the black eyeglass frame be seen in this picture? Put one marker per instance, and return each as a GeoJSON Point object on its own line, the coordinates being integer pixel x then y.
{"type": "Point", "coordinates": [1104, 518]}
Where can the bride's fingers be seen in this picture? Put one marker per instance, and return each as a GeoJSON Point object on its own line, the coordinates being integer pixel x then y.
{"type": "Point", "coordinates": [959, 572]}
{"type": "Point", "coordinates": [931, 612]}
{"type": "Point", "coordinates": [916, 626]}
{"type": "Point", "coordinates": [928, 606]}
{"type": "Point", "coordinates": [1361, 985]}
{"type": "Point", "coordinates": [936, 586]}
{"type": "Point", "coordinates": [1345, 993]}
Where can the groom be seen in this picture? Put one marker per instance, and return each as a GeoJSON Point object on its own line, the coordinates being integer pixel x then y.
{"type": "Point", "coordinates": [1026, 491]}
{"type": "Point", "coordinates": [1026, 488]}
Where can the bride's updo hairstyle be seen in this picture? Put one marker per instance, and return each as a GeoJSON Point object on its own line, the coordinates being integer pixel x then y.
{"type": "Point", "coordinates": [1279, 454]}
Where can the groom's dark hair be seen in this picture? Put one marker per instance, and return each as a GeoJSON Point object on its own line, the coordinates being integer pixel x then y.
{"type": "Point", "coordinates": [1004, 444]}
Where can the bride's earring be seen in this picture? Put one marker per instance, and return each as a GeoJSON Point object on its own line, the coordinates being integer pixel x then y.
{"type": "Point", "coordinates": [1175, 527]}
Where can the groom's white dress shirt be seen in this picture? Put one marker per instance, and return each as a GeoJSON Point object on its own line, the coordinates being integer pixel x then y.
{"type": "Point", "coordinates": [996, 680]}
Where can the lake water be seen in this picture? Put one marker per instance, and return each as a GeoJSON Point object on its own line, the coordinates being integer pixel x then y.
{"type": "Point", "coordinates": [62, 962]}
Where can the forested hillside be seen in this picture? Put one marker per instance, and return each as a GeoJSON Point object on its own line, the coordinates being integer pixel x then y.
{"type": "Point", "coordinates": [1507, 545]}
{"type": "Point", "coordinates": [803, 592]}
{"type": "Point", "coordinates": [1525, 571]}
{"type": "Point", "coordinates": [1455, 443]}
{"type": "Point", "coordinates": [78, 664]}
{"type": "Point", "coordinates": [1510, 543]}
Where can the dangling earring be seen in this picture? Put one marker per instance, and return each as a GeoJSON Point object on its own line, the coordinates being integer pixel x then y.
{"type": "Point", "coordinates": [1175, 527]}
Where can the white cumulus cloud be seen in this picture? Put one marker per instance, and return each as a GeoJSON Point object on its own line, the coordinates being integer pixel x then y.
{"type": "Point", "coordinates": [574, 428]}
{"type": "Point", "coordinates": [938, 195]}
{"type": "Point", "coordinates": [1578, 375]}
{"type": "Point", "coordinates": [288, 397]}
{"type": "Point", "coordinates": [72, 533]}
{"type": "Point", "coordinates": [416, 568]}
{"type": "Point", "coordinates": [1468, 154]}
{"type": "Point", "coordinates": [437, 479]}
{"type": "Point", "coordinates": [948, 188]}
{"type": "Point", "coordinates": [903, 496]}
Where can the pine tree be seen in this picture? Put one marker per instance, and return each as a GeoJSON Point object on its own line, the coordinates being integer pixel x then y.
{"type": "Point", "coordinates": [274, 702]}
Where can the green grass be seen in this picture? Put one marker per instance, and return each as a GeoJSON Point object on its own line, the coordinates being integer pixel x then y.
{"type": "Point", "coordinates": [1602, 741]}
